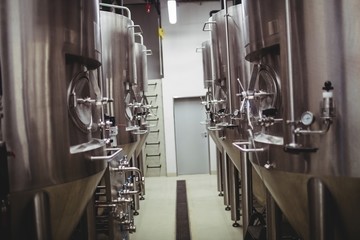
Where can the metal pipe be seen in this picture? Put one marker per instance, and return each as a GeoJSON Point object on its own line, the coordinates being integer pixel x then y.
{"type": "Point", "coordinates": [131, 169]}
{"type": "Point", "coordinates": [226, 180]}
{"type": "Point", "coordinates": [118, 7]}
{"type": "Point", "coordinates": [273, 218]}
{"type": "Point", "coordinates": [234, 194]}
{"type": "Point", "coordinates": [321, 215]}
{"type": "Point", "coordinates": [246, 190]}
{"type": "Point", "coordinates": [228, 55]}
{"type": "Point", "coordinates": [290, 70]}
{"type": "Point", "coordinates": [141, 37]}
{"type": "Point", "coordinates": [41, 215]}
{"type": "Point", "coordinates": [219, 172]}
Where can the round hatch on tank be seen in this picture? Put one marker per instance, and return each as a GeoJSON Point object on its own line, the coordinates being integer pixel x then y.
{"type": "Point", "coordinates": [266, 91]}
{"type": "Point", "coordinates": [82, 98]}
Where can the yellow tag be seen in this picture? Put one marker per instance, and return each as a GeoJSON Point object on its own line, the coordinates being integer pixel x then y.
{"type": "Point", "coordinates": [161, 33]}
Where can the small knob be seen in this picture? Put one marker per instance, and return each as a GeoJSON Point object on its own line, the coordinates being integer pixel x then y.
{"type": "Point", "coordinates": [328, 86]}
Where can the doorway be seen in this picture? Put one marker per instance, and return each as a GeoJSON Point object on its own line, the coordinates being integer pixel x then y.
{"type": "Point", "coordinates": [191, 137]}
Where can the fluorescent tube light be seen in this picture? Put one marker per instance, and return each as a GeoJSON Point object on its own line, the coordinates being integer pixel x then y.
{"type": "Point", "coordinates": [172, 11]}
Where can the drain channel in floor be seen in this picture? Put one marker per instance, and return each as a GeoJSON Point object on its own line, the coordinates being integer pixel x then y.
{"type": "Point", "coordinates": [182, 214]}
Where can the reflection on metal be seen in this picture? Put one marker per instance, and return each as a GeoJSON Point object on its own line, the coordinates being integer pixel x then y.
{"type": "Point", "coordinates": [54, 136]}
{"type": "Point", "coordinates": [289, 123]}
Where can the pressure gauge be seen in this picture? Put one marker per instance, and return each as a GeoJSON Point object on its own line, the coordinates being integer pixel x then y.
{"type": "Point", "coordinates": [307, 118]}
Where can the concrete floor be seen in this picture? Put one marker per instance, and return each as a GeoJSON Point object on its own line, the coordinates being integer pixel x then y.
{"type": "Point", "coordinates": [208, 218]}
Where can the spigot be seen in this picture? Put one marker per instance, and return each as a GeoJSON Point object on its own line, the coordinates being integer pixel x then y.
{"type": "Point", "coordinates": [269, 166]}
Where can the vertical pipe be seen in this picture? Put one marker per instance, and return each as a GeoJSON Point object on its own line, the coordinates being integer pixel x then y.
{"type": "Point", "coordinates": [41, 208]}
{"type": "Point", "coordinates": [290, 70]}
{"type": "Point", "coordinates": [234, 194]}
{"type": "Point", "coordinates": [90, 220]}
{"type": "Point", "coordinates": [226, 180]}
{"type": "Point", "coordinates": [228, 76]}
{"type": "Point", "coordinates": [136, 197]}
{"type": "Point", "coordinates": [320, 211]}
{"type": "Point", "coordinates": [273, 218]}
{"type": "Point", "coordinates": [246, 190]}
{"type": "Point", "coordinates": [142, 169]}
{"type": "Point", "coordinates": [219, 172]}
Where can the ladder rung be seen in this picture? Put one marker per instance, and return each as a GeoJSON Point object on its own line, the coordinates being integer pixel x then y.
{"type": "Point", "coordinates": [153, 95]}
{"type": "Point", "coordinates": [153, 166]}
{"type": "Point", "coordinates": [153, 143]}
{"type": "Point", "coordinates": [153, 155]}
{"type": "Point", "coordinates": [154, 119]}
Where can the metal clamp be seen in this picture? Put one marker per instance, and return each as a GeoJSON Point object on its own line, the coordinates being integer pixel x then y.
{"type": "Point", "coordinates": [239, 144]}
{"type": "Point", "coordinates": [107, 158]}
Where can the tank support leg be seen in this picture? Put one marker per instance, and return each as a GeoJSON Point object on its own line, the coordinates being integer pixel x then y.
{"type": "Point", "coordinates": [320, 211]}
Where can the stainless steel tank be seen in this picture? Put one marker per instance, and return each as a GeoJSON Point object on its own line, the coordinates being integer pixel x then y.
{"type": "Point", "coordinates": [229, 52]}
{"type": "Point", "coordinates": [209, 78]}
{"type": "Point", "coordinates": [219, 94]}
{"type": "Point", "coordinates": [208, 66]}
{"type": "Point", "coordinates": [141, 53]}
{"type": "Point", "coordinates": [228, 44]}
{"type": "Point", "coordinates": [119, 69]}
{"type": "Point", "coordinates": [143, 108]}
{"type": "Point", "coordinates": [50, 123]}
{"type": "Point", "coordinates": [311, 168]}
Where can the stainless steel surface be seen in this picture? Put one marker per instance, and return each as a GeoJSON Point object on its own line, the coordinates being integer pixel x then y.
{"type": "Point", "coordinates": [290, 67]}
{"type": "Point", "coordinates": [208, 65]}
{"type": "Point", "coordinates": [227, 54]}
{"type": "Point", "coordinates": [43, 47]}
{"type": "Point", "coordinates": [321, 47]}
{"type": "Point", "coordinates": [117, 45]}
{"type": "Point", "coordinates": [234, 194]}
{"type": "Point", "coordinates": [141, 67]}
{"type": "Point", "coordinates": [273, 218]}
{"type": "Point", "coordinates": [226, 179]}
{"type": "Point", "coordinates": [30, 69]}
{"type": "Point", "coordinates": [262, 26]}
{"type": "Point", "coordinates": [246, 191]}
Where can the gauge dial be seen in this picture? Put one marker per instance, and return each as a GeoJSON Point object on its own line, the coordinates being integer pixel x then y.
{"type": "Point", "coordinates": [307, 118]}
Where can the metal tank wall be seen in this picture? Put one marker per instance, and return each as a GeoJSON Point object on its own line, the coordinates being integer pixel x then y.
{"type": "Point", "coordinates": [117, 37]}
{"type": "Point", "coordinates": [117, 197]}
{"type": "Point", "coordinates": [223, 60]}
{"type": "Point", "coordinates": [142, 109]}
{"type": "Point", "coordinates": [51, 126]}
{"type": "Point", "coordinates": [309, 165]}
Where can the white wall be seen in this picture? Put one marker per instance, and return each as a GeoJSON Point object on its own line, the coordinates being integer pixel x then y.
{"type": "Point", "coordinates": [183, 76]}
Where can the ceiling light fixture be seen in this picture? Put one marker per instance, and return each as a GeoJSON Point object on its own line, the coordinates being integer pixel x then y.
{"type": "Point", "coordinates": [172, 11]}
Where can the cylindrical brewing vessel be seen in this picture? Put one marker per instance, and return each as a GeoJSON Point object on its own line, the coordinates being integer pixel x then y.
{"type": "Point", "coordinates": [219, 93]}
{"type": "Point", "coordinates": [319, 172]}
{"type": "Point", "coordinates": [117, 35]}
{"type": "Point", "coordinates": [42, 45]}
{"type": "Point", "coordinates": [208, 66]}
{"type": "Point", "coordinates": [141, 68]}
{"type": "Point", "coordinates": [142, 84]}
